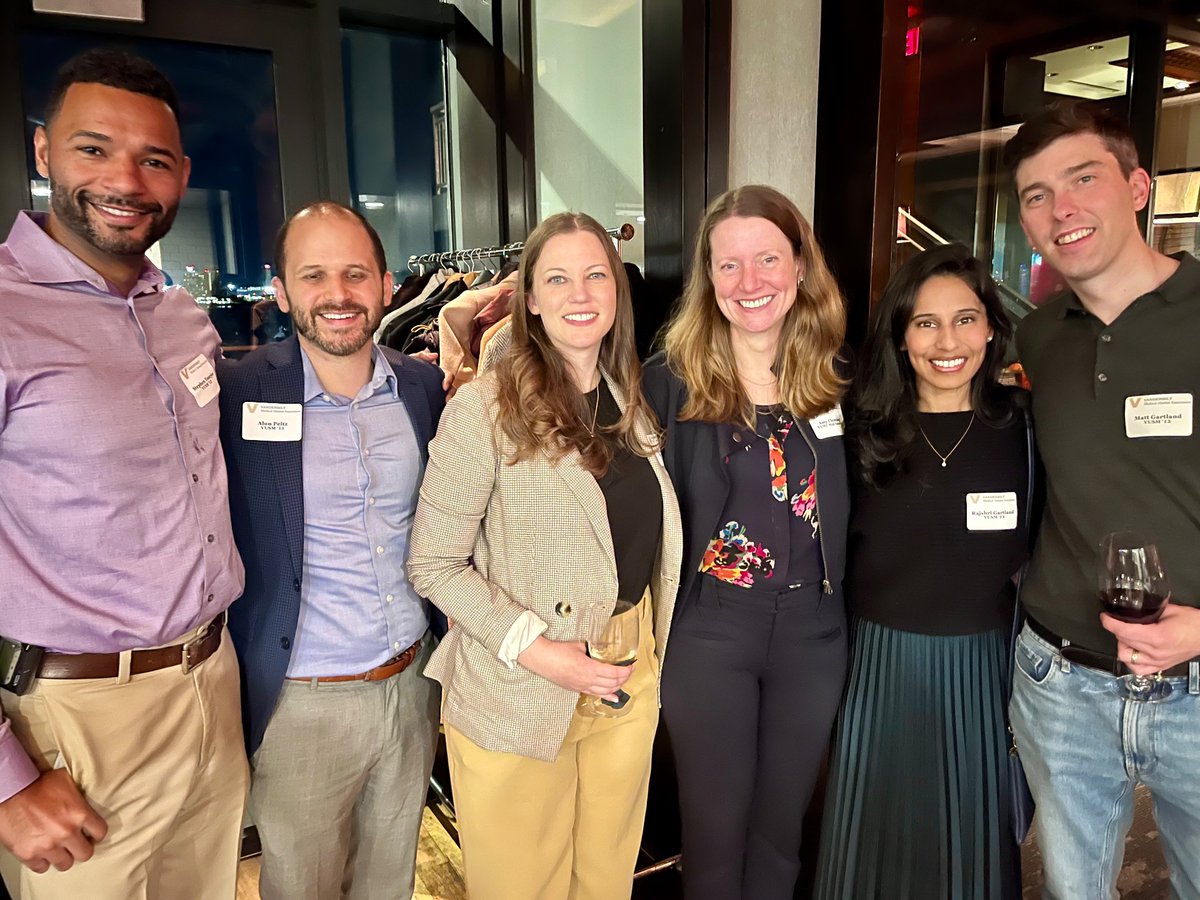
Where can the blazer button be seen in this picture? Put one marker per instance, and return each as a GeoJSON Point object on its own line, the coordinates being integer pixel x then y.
{"type": "Point", "coordinates": [563, 608]}
{"type": "Point", "coordinates": [296, 584]}
{"type": "Point", "coordinates": [285, 643]}
{"type": "Point", "coordinates": [737, 435]}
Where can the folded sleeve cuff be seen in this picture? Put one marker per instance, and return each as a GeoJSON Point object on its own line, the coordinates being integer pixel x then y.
{"type": "Point", "coordinates": [527, 629]}
{"type": "Point", "coordinates": [17, 770]}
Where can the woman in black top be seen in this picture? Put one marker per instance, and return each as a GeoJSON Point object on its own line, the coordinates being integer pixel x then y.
{"type": "Point", "coordinates": [918, 802]}
{"type": "Point", "coordinates": [748, 392]}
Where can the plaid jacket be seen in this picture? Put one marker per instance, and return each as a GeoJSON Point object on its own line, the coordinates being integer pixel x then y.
{"type": "Point", "coordinates": [491, 540]}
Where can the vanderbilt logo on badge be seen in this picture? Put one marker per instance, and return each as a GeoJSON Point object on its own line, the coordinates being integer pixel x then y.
{"type": "Point", "coordinates": [974, 498]}
{"type": "Point", "coordinates": [251, 407]}
{"type": "Point", "coordinates": [1158, 415]}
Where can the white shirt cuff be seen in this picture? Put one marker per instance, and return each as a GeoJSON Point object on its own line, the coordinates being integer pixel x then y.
{"type": "Point", "coordinates": [527, 629]}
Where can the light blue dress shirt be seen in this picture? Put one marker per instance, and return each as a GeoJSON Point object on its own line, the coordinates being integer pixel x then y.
{"type": "Point", "coordinates": [362, 471]}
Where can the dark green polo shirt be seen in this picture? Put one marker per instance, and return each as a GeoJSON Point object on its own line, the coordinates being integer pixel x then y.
{"type": "Point", "coordinates": [1098, 479]}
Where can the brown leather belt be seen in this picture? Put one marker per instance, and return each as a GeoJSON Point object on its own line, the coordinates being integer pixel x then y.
{"type": "Point", "coordinates": [1102, 662]}
{"type": "Point", "coordinates": [108, 665]}
{"type": "Point", "coordinates": [393, 666]}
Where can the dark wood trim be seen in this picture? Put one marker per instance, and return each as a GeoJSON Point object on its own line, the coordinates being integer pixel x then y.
{"type": "Point", "coordinates": [719, 79]}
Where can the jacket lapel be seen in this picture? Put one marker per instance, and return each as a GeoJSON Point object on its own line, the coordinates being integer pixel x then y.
{"type": "Point", "coordinates": [284, 383]}
{"type": "Point", "coordinates": [416, 404]}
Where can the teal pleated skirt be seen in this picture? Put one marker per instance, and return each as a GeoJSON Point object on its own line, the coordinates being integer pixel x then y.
{"type": "Point", "coordinates": [917, 804]}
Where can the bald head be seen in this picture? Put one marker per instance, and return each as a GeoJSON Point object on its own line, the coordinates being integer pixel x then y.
{"type": "Point", "coordinates": [328, 211]}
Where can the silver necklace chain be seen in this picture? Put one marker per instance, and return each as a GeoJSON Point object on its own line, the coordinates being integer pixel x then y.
{"type": "Point", "coordinates": [946, 458]}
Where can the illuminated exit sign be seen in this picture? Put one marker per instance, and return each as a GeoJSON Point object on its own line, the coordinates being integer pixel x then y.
{"type": "Point", "coordinates": [912, 41]}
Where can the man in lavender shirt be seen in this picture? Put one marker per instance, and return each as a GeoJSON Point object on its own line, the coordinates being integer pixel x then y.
{"type": "Point", "coordinates": [121, 767]}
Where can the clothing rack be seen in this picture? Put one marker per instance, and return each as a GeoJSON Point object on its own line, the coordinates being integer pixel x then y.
{"type": "Point", "coordinates": [621, 233]}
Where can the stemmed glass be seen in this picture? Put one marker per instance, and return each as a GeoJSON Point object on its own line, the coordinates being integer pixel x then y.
{"type": "Point", "coordinates": [616, 643]}
{"type": "Point", "coordinates": [1134, 588]}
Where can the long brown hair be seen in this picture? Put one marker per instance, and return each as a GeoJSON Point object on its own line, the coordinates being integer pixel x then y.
{"type": "Point", "coordinates": [697, 339]}
{"type": "Point", "coordinates": [540, 407]}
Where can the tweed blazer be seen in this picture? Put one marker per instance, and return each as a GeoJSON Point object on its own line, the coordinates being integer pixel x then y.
{"type": "Point", "coordinates": [492, 540]}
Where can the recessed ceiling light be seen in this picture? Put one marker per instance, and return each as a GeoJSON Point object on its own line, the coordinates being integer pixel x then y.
{"type": "Point", "coordinates": [1096, 47]}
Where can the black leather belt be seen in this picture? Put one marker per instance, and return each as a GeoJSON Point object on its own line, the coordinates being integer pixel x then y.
{"type": "Point", "coordinates": [1101, 662]}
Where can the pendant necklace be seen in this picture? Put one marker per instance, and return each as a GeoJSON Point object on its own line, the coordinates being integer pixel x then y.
{"type": "Point", "coordinates": [596, 412]}
{"type": "Point", "coordinates": [946, 458]}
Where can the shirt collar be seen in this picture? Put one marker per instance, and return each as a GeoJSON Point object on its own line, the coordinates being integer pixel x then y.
{"type": "Point", "coordinates": [383, 378]}
{"type": "Point", "coordinates": [1182, 284]}
{"type": "Point", "coordinates": [46, 261]}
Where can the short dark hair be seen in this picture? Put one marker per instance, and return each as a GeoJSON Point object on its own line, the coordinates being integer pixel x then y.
{"type": "Point", "coordinates": [882, 420]}
{"type": "Point", "coordinates": [325, 208]}
{"type": "Point", "coordinates": [1065, 118]}
{"type": "Point", "coordinates": [113, 68]}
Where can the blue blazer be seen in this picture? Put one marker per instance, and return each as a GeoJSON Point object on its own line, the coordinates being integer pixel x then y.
{"type": "Point", "coordinates": [266, 504]}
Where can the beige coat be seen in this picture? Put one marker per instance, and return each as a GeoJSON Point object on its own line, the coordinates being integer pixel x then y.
{"type": "Point", "coordinates": [491, 540]}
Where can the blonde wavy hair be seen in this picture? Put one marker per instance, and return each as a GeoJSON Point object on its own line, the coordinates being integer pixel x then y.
{"type": "Point", "coordinates": [697, 341]}
{"type": "Point", "coordinates": [540, 407]}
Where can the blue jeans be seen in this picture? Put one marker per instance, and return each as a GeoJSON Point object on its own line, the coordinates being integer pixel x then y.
{"type": "Point", "coordinates": [1085, 745]}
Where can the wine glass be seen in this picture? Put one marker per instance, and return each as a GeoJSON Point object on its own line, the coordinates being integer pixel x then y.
{"type": "Point", "coordinates": [1134, 588]}
{"type": "Point", "coordinates": [616, 643]}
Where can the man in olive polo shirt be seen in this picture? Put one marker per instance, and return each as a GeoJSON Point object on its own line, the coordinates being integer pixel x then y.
{"type": "Point", "coordinates": [1115, 369]}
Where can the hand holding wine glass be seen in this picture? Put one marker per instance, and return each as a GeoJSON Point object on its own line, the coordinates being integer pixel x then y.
{"type": "Point", "coordinates": [1134, 589]}
{"type": "Point", "coordinates": [616, 643]}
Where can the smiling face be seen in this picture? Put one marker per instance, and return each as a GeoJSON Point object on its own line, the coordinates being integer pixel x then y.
{"type": "Point", "coordinates": [754, 274]}
{"type": "Point", "coordinates": [333, 287]}
{"type": "Point", "coordinates": [1078, 209]}
{"type": "Point", "coordinates": [946, 342]}
{"type": "Point", "coordinates": [117, 173]}
{"type": "Point", "coordinates": [574, 292]}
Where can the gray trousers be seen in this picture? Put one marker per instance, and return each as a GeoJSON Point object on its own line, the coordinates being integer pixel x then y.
{"type": "Point", "coordinates": [338, 786]}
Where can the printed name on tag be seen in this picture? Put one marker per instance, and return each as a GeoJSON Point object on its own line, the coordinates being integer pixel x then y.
{"type": "Point", "coordinates": [829, 424]}
{"type": "Point", "coordinates": [272, 421]}
{"type": "Point", "coordinates": [201, 379]}
{"type": "Point", "coordinates": [992, 511]}
{"type": "Point", "coordinates": [1158, 415]}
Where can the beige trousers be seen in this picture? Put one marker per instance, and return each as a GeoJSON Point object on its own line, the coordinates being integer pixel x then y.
{"type": "Point", "coordinates": [568, 829]}
{"type": "Point", "coordinates": [161, 758]}
{"type": "Point", "coordinates": [339, 786]}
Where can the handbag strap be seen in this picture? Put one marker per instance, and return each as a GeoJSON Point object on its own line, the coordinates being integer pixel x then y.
{"type": "Point", "coordinates": [1018, 620]}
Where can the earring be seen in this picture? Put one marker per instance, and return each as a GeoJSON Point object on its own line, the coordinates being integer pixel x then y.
{"type": "Point", "coordinates": [989, 340]}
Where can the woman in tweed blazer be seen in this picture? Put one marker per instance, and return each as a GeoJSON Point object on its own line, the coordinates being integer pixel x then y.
{"type": "Point", "coordinates": [545, 500]}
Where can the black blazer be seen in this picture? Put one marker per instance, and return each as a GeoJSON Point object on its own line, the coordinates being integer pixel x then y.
{"type": "Point", "coordinates": [266, 504]}
{"type": "Point", "coordinates": [696, 455]}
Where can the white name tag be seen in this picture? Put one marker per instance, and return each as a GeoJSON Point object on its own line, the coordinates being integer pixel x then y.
{"type": "Point", "coordinates": [829, 424]}
{"type": "Point", "coordinates": [201, 379]}
{"type": "Point", "coordinates": [272, 421]}
{"type": "Point", "coordinates": [995, 511]}
{"type": "Point", "coordinates": [1158, 415]}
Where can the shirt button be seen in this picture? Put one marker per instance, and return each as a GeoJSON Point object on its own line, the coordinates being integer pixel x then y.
{"type": "Point", "coordinates": [326, 398]}
{"type": "Point", "coordinates": [390, 598]}
{"type": "Point", "coordinates": [285, 643]}
{"type": "Point", "coordinates": [211, 538]}
{"type": "Point", "coordinates": [1107, 338]}
{"type": "Point", "coordinates": [395, 645]}
{"type": "Point", "coordinates": [1102, 377]}
{"type": "Point", "coordinates": [208, 599]}
{"type": "Point", "coordinates": [370, 501]}
{"type": "Point", "coordinates": [195, 479]}
{"type": "Point", "coordinates": [379, 550]}
{"type": "Point", "coordinates": [366, 453]}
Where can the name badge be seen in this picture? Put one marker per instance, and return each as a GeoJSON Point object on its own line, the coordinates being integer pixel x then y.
{"type": "Point", "coordinates": [201, 379]}
{"type": "Point", "coordinates": [1158, 415]}
{"type": "Point", "coordinates": [272, 421]}
{"type": "Point", "coordinates": [992, 511]}
{"type": "Point", "coordinates": [829, 424]}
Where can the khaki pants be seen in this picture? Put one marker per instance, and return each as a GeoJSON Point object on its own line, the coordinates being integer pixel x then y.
{"type": "Point", "coordinates": [339, 786]}
{"type": "Point", "coordinates": [161, 759]}
{"type": "Point", "coordinates": [535, 830]}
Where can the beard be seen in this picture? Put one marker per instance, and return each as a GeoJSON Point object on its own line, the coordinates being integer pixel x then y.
{"type": "Point", "coordinates": [72, 210]}
{"type": "Point", "coordinates": [346, 343]}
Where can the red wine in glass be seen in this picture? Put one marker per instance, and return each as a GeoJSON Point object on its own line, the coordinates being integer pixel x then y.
{"type": "Point", "coordinates": [1131, 605]}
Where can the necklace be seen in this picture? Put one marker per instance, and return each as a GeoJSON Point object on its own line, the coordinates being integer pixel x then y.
{"type": "Point", "coordinates": [946, 458]}
{"type": "Point", "coordinates": [773, 380]}
{"type": "Point", "coordinates": [591, 429]}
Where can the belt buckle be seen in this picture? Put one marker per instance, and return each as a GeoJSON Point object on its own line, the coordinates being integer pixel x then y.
{"type": "Point", "coordinates": [185, 649]}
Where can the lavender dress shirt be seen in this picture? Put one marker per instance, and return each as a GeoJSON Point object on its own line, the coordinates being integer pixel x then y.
{"type": "Point", "coordinates": [114, 516]}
